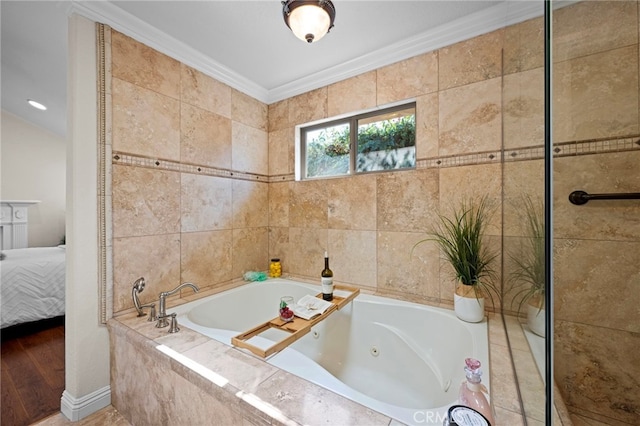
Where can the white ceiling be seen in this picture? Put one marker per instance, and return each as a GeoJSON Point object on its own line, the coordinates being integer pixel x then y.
{"type": "Point", "coordinates": [34, 61]}
{"type": "Point", "coordinates": [245, 44]}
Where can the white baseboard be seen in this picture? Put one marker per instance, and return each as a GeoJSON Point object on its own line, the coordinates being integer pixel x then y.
{"type": "Point", "coordinates": [78, 408]}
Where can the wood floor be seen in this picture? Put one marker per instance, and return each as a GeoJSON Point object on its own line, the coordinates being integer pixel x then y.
{"type": "Point", "coordinates": [32, 378]}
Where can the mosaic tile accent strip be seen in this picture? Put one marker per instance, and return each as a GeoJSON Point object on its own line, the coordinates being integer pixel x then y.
{"type": "Point", "coordinates": [562, 149]}
{"type": "Point", "coordinates": [169, 165]}
{"type": "Point", "coordinates": [460, 160]}
{"type": "Point", "coordinates": [572, 148]}
{"type": "Point", "coordinates": [290, 177]}
{"type": "Point", "coordinates": [104, 232]}
{"type": "Point", "coordinates": [523, 154]}
{"type": "Point", "coordinates": [596, 146]}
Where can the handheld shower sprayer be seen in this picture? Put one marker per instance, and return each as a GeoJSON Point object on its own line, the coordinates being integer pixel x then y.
{"type": "Point", "coordinates": [138, 286]}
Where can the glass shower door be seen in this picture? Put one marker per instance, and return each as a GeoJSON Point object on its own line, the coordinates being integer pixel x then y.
{"type": "Point", "coordinates": [596, 260]}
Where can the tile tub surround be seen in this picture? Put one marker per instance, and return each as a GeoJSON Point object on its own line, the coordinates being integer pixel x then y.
{"type": "Point", "coordinates": [212, 141]}
{"type": "Point", "coordinates": [181, 395]}
{"type": "Point", "coordinates": [188, 177]}
{"type": "Point", "coordinates": [225, 136]}
{"type": "Point", "coordinates": [211, 135]}
{"type": "Point", "coordinates": [459, 111]}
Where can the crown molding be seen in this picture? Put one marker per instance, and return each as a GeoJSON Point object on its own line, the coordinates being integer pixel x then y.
{"type": "Point", "coordinates": [482, 22]}
{"type": "Point", "coordinates": [499, 16]}
{"type": "Point", "coordinates": [109, 14]}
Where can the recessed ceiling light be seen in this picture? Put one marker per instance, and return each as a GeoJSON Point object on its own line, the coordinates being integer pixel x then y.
{"type": "Point", "coordinates": [36, 105]}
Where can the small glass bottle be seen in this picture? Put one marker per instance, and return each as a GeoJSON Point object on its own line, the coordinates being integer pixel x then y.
{"type": "Point", "coordinates": [275, 268]}
{"type": "Point", "coordinates": [473, 392]}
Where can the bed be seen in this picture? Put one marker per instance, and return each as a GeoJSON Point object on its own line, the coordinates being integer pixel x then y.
{"type": "Point", "coordinates": [33, 284]}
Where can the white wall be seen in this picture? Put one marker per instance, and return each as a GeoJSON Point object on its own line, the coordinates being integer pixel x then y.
{"type": "Point", "coordinates": [87, 377]}
{"type": "Point", "coordinates": [33, 168]}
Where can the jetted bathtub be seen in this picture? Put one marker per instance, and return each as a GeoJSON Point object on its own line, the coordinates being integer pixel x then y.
{"type": "Point", "coordinates": [402, 359]}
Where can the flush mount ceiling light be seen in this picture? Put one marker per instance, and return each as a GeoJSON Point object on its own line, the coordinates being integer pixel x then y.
{"type": "Point", "coordinates": [36, 105]}
{"type": "Point", "coordinates": [309, 20]}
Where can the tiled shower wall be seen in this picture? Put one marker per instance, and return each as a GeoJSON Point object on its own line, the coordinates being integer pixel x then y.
{"type": "Point", "coordinates": [370, 223]}
{"type": "Point", "coordinates": [203, 185]}
{"type": "Point", "coordinates": [597, 245]}
{"type": "Point", "coordinates": [190, 165]}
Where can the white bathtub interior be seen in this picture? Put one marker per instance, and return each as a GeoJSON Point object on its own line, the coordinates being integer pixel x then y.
{"type": "Point", "coordinates": [401, 359]}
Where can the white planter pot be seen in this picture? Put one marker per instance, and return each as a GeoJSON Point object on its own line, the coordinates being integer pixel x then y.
{"type": "Point", "coordinates": [469, 309]}
{"type": "Point", "coordinates": [536, 319]}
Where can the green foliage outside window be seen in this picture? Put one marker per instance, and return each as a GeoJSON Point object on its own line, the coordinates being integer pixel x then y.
{"type": "Point", "coordinates": [328, 152]}
{"type": "Point", "coordinates": [388, 134]}
{"type": "Point", "coordinates": [381, 145]}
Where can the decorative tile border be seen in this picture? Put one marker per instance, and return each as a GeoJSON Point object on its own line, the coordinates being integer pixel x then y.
{"type": "Point", "coordinates": [105, 283]}
{"type": "Point", "coordinates": [460, 160]}
{"type": "Point", "coordinates": [290, 177]}
{"type": "Point", "coordinates": [525, 153]}
{"type": "Point", "coordinates": [597, 146]}
{"type": "Point", "coordinates": [176, 166]}
{"type": "Point", "coordinates": [573, 148]}
{"type": "Point", "coordinates": [562, 149]}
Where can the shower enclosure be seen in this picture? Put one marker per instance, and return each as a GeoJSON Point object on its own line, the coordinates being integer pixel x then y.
{"type": "Point", "coordinates": [596, 245]}
{"type": "Point", "coordinates": [595, 133]}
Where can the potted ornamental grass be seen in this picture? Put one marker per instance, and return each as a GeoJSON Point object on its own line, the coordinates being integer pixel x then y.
{"type": "Point", "coordinates": [527, 277]}
{"type": "Point", "coordinates": [460, 238]}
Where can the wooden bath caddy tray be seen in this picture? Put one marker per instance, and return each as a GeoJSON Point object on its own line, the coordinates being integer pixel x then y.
{"type": "Point", "coordinates": [296, 328]}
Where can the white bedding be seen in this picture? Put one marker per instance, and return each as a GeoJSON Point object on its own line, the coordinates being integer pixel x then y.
{"type": "Point", "coordinates": [33, 284]}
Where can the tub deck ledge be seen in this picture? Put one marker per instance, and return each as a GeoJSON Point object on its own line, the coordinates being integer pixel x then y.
{"type": "Point", "coordinates": [161, 378]}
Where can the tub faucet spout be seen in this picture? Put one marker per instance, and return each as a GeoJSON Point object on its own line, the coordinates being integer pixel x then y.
{"type": "Point", "coordinates": [162, 314]}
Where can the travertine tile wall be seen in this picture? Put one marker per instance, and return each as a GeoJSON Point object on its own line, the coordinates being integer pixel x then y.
{"type": "Point", "coordinates": [190, 164]}
{"type": "Point", "coordinates": [203, 184]}
{"type": "Point", "coordinates": [597, 245]}
{"type": "Point", "coordinates": [189, 208]}
{"type": "Point", "coordinates": [370, 223]}
{"type": "Point", "coordinates": [192, 158]}
{"type": "Point", "coordinates": [469, 114]}
{"type": "Point", "coordinates": [180, 213]}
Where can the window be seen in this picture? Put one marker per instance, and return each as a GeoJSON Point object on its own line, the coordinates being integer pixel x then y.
{"type": "Point", "coordinates": [328, 150]}
{"type": "Point", "coordinates": [379, 140]}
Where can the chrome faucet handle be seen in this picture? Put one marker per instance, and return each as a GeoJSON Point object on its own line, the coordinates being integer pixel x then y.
{"type": "Point", "coordinates": [173, 328]}
{"type": "Point", "coordinates": [152, 312]}
{"type": "Point", "coordinates": [163, 321]}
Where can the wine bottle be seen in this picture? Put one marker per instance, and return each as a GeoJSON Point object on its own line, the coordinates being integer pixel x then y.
{"type": "Point", "coordinates": [327, 279]}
